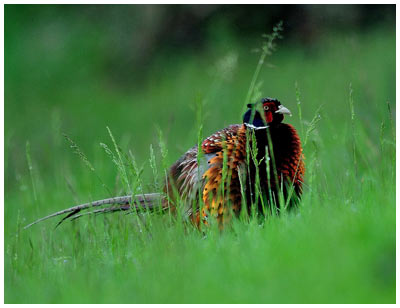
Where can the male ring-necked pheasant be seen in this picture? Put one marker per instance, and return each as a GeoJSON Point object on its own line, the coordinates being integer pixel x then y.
{"type": "Point", "coordinates": [255, 164]}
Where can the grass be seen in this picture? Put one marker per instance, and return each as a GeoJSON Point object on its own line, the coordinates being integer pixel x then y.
{"type": "Point", "coordinates": [338, 248]}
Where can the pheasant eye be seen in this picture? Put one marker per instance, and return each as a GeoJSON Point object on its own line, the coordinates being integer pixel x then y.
{"type": "Point", "coordinates": [266, 108]}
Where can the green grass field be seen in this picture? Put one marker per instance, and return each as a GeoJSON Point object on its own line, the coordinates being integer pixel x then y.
{"type": "Point", "coordinates": [339, 247]}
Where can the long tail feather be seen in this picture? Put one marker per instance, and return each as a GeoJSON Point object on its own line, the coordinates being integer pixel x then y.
{"type": "Point", "coordinates": [144, 201]}
{"type": "Point", "coordinates": [103, 211]}
{"type": "Point", "coordinates": [75, 215]}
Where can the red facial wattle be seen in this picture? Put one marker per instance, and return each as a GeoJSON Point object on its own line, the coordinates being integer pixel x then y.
{"type": "Point", "coordinates": [274, 113]}
{"type": "Point", "coordinates": [269, 116]}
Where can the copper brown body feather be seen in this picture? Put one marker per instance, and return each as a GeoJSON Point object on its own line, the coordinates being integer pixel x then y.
{"type": "Point", "coordinates": [221, 193]}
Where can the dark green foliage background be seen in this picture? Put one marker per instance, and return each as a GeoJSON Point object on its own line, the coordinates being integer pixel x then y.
{"type": "Point", "coordinates": [76, 70]}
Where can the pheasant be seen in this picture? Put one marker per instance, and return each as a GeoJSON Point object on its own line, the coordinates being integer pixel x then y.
{"type": "Point", "coordinates": [255, 166]}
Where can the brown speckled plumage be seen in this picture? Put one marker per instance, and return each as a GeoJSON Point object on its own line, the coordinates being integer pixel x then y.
{"type": "Point", "coordinates": [222, 196]}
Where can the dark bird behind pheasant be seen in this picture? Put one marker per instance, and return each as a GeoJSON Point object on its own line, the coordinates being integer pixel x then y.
{"type": "Point", "coordinates": [256, 166]}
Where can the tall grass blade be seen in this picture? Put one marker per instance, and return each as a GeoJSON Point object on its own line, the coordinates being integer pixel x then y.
{"type": "Point", "coordinates": [312, 125]}
{"type": "Point", "coordinates": [76, 150]}
{"type": "Point", "coordinates": [120, 164]}
{"type": "Point", "coordinates": [154, 168]}
{"type": "Point", "coordinates": [298, 101]}
{"type": "Point", "coordinates": [353, 128]}
{"type": "Point", "coordinates": [268, 46]}
{"type": "Point", "coordinates": [30, 168]}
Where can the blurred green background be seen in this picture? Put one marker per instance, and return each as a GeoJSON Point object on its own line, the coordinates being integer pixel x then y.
{"type": "Point", "coordinates": [76, 69]}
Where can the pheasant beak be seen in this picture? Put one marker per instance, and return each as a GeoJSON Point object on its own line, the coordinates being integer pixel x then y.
{"type": "Point", "coordinates": [283, 110]}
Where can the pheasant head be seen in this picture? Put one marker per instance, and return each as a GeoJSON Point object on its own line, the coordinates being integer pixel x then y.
{"type": "Point", "coordinates": [272, 113]}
